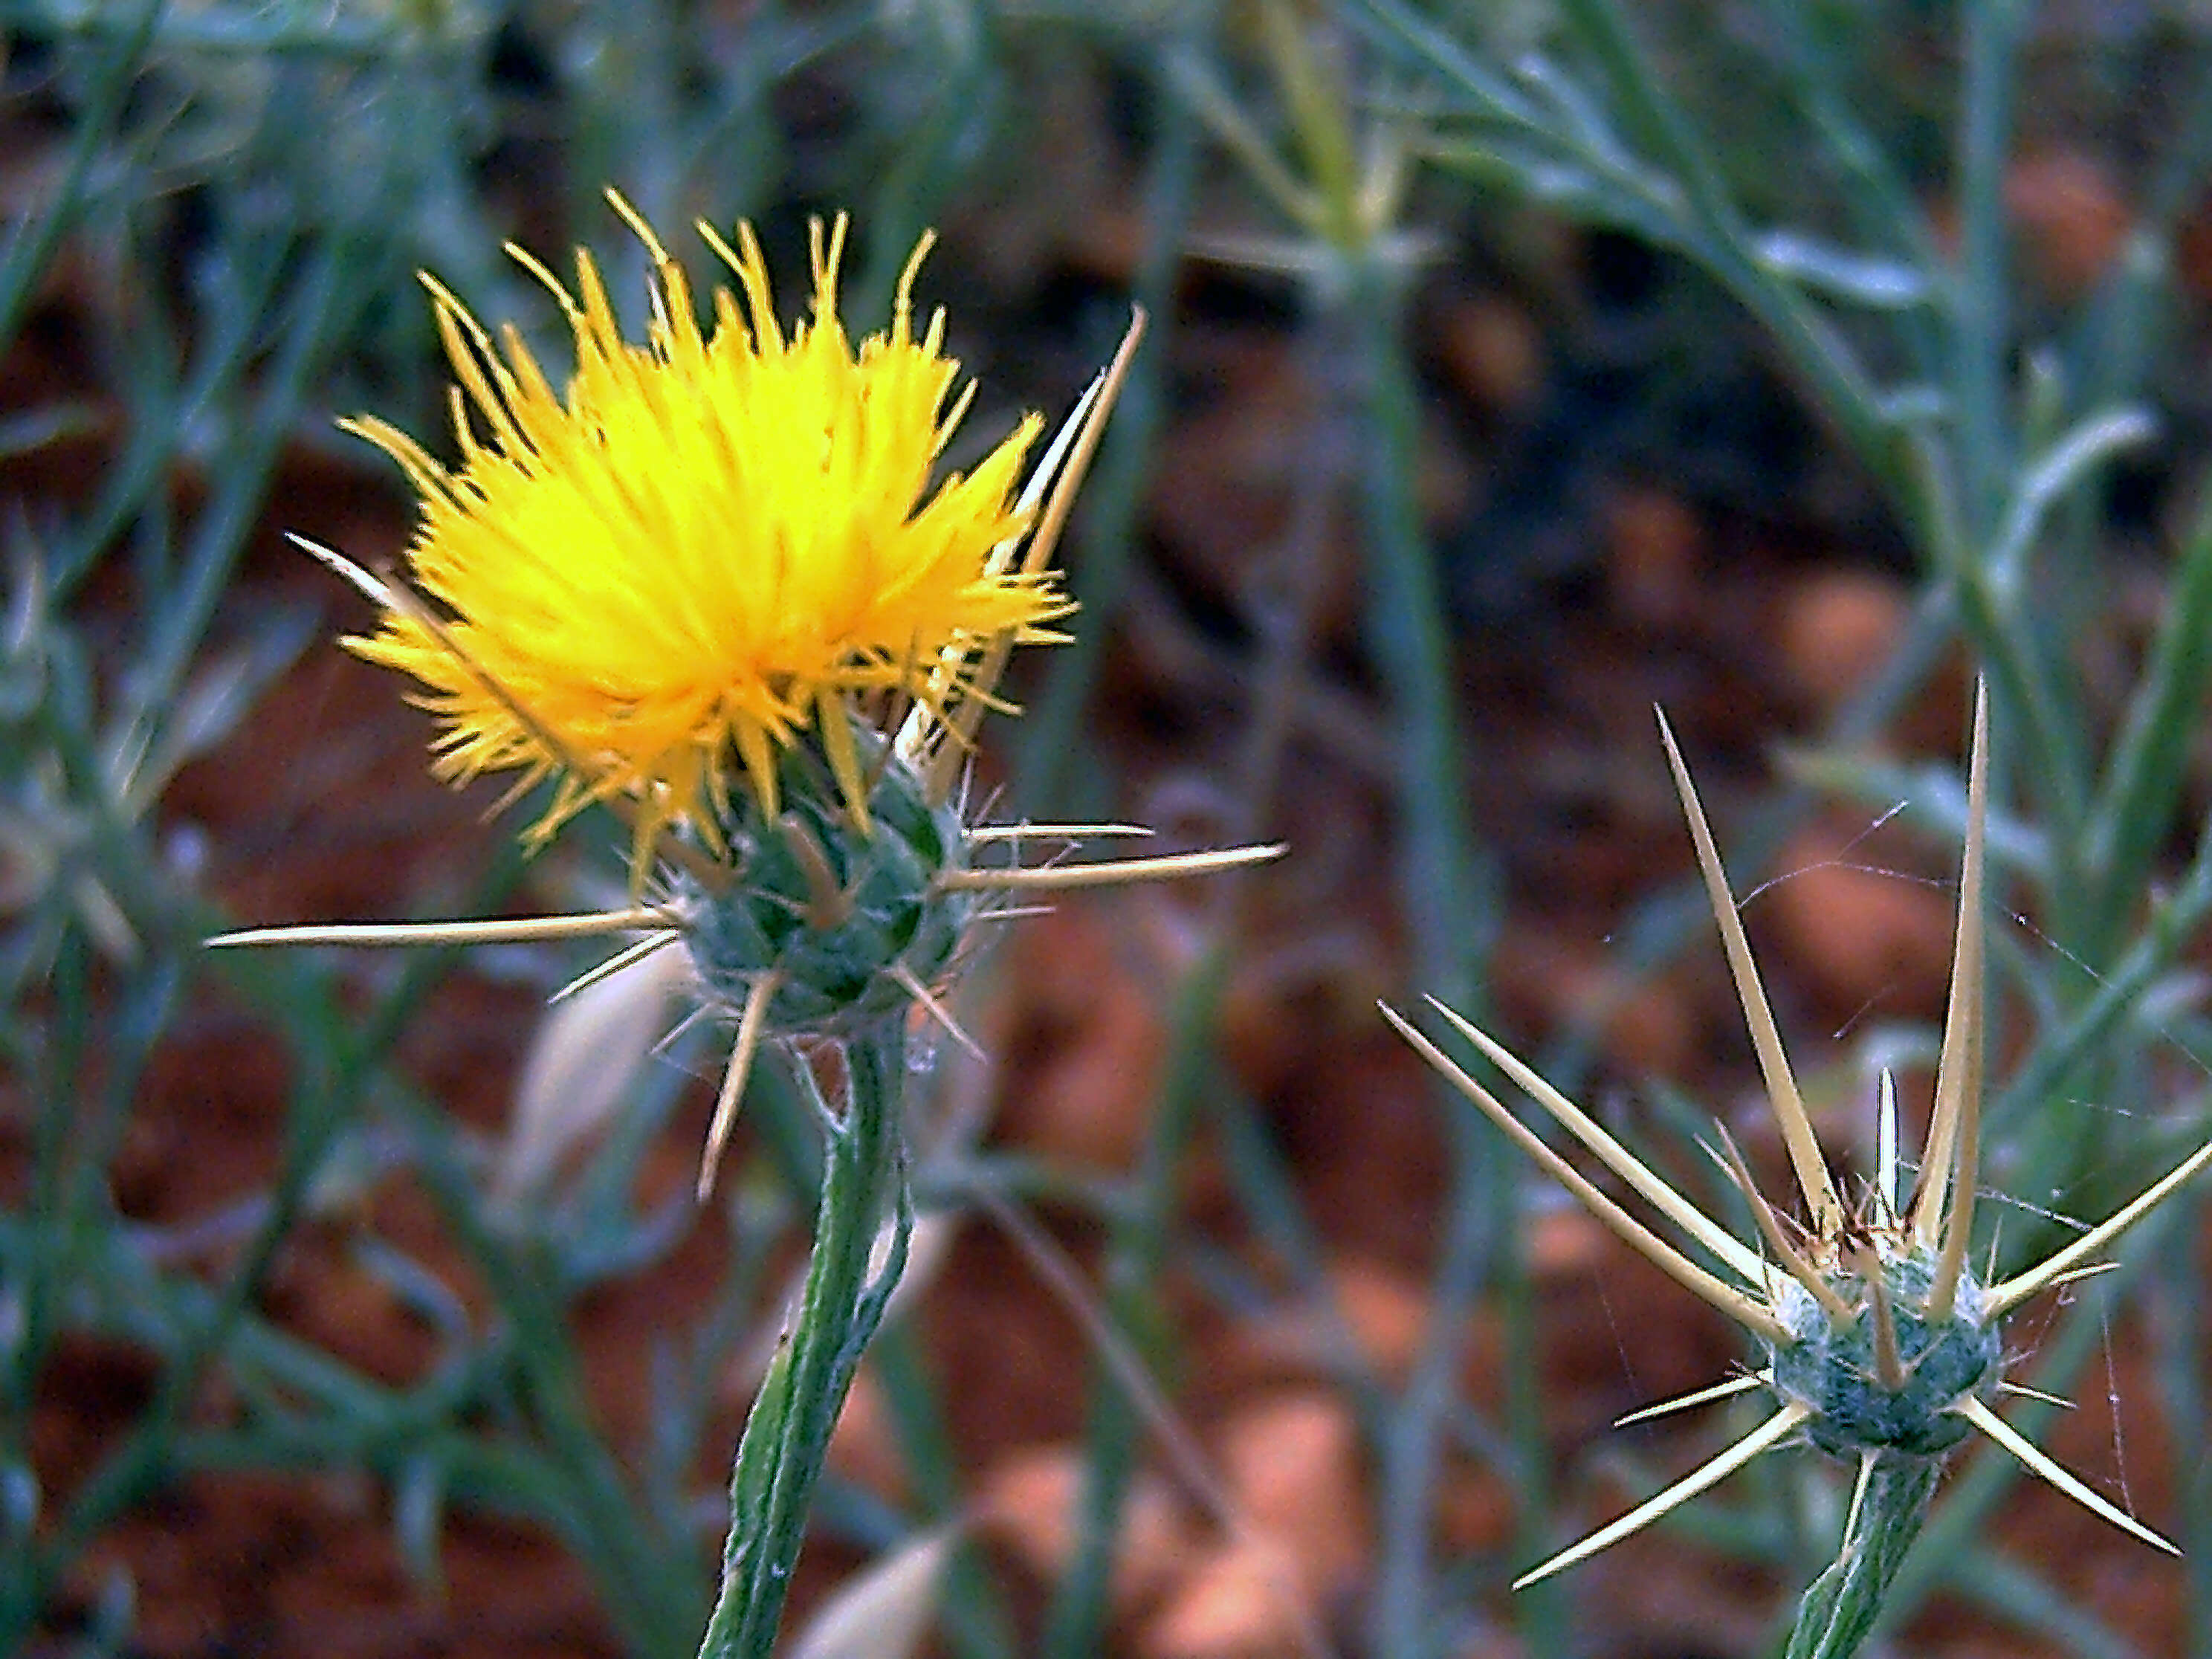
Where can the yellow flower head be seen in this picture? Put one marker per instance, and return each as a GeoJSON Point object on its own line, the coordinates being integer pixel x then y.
{"type": "Point", "coordinates": [701, 549]}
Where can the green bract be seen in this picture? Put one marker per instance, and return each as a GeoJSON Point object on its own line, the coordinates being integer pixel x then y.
{"type": "Point", "coordinates": [849, 919]}
{"type": "Point", "coordinates": [1837, 1368]}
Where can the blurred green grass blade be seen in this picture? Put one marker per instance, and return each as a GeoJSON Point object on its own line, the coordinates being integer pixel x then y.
{"type": "Point", "coordinates": [2111, 349]}
{"type": "Point", "coordinates": [330, 293]}
{"type": "Point", "coordinates": [138, 1466]}
{"type": "Point", "coordinates": [161, 416]}
{"type": "Point", "coordinates": [1447, 896]}
{"type": "Point", "coordinates": [688, 1401]}
{"type": "Point", "coordinates": [45, 1241]}
{"type": "Point", "coordinates": [233, 29]}
{"type": "Point", "coordinates": [965, 111]}
{"type": "Point", "coordinates": [1982, 407]}
{"type": "Point", "coordinates": [1716, 233]}
{"type": "Point", "coordinates": [1137, 1253]}
{"type": "Point", "coordinates": [2013, 1590]}
{"type": "Point", "coordinates": [973, 1610]}
{"type": "Point", "coordinates": [1050, 735]}
{"type": "Point", "coordinates": [650, 1585]}
{"type": "Point", "coordinates": [2049, 1071]}
{"type": "Point", "coordinates": [1880, 203]}
{"type": "Point", "coordinates": [31, 243]}
{"type": "Point", "coordinates": [2147, 772]}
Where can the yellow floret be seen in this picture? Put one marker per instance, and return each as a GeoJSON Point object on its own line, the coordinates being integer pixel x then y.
{"type": "Point", "coordinates": [702, 548]}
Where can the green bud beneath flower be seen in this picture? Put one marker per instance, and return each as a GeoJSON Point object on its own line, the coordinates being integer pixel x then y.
{"type": "Point", "coordinates": [849, 919]}
{"type": "Point", "coordinates": [1836, 1369]}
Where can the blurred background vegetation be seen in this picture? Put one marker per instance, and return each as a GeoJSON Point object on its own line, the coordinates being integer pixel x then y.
{"type": "Point", "coordinates": [1514, 368]}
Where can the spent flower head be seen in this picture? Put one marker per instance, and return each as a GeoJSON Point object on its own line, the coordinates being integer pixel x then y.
{"type": "Point", "coordinates": [1878, 1342]}
{"type": "Point", "coordinates": [720, 584]}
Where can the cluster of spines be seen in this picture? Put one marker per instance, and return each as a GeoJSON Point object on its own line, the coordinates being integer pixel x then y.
{"type": "Point", "coordinates": [1878, 1339]}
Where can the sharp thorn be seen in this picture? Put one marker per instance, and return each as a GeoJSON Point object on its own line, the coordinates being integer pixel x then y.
{"type": "Point", "coordinates": [751, 1026]}
{"type": "Point", "coordinates": [1768, 1434]}
{"type": "Point", "coordinates": [518, 930]}
{"type": "Point", "coordinates": [1782, 1093]}
{"type": "Point", "coordinates": [2033, 1458]}
{"type": "Point", "coordinates": [1684, 1402]}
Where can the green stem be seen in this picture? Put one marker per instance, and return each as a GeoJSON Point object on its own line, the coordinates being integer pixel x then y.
{"type": "Point", "coordinates": [787, 1439]}
{"type": "Point", "coordinates": [2135, 807]}
{"type": "Point", "coordinates": [1441, 884]}
{"type": "Point", "coordinates": [1841, 1606]}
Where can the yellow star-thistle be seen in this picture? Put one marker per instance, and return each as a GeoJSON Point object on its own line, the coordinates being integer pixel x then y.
{"type": "Point", "coordinates": [690, 558]}
{"type": "Point", "coordinates": [689, 566]}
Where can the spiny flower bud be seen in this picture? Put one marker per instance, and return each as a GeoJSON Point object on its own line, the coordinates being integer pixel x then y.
{"type": "Point", "coordinates": [1880, 1344]}
{"type": "Point", "coordinates": [1887, 1377]}
{"type": "Point", "coordinates": [847, 923]}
